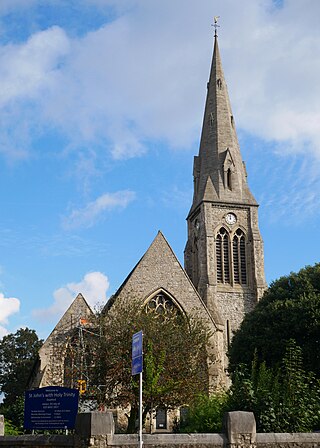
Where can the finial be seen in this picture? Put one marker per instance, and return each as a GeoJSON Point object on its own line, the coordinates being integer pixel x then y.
{"type": "Point", "coordinates": [215, 24]}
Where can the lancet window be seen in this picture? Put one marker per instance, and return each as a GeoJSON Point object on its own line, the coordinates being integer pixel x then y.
{"type": "Point", "coordinates": [229, 179]}
{"type": "Point", "coordinates": [223, 257]}
{"type": "Point", "coordinates": [239, 258]}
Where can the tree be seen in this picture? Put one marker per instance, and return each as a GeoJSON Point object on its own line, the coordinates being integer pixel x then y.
{"type": "Point", "coordinates": [290, 309]}
{"type": "Point", "coordinates": [175, 359]}
{"type": "Point", "coordinates": [18, 353]}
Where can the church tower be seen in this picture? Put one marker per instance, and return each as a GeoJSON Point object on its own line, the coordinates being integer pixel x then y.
{"type": "Point", "coordinates": [224, 252]}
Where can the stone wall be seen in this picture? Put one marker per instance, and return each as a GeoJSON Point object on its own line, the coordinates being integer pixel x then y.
{"type": "Point", "coordinates": [97, 430]}
{"type": "Point", "coordinates": [302, 440]}
{"type": "Point", "coordinates": [39, 441]}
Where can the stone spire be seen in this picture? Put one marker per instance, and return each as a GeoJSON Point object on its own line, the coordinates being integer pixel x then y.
{"type": "Point", "coordinates": [219, 173]}
{"type": "Point", "coordinates": [224, 252]}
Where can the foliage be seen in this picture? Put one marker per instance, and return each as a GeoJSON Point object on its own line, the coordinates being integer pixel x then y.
{"type": "Point", "coordinates": [205, 414]}
{"type": "Point", "coordinates": [10, 429]}
{"type": "Point", "coordinates": [18, 353]}
{"type": "Point", "coordinates": [14, 412]}
{"type": "Point", "coordinates": [290, 309]}
{"type": "Point", "coordinates": [283, 399]}
{"type": "Point", "coordinates": [175, 367]}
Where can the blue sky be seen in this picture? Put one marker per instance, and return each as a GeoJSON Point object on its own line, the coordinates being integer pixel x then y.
{"type": "Point", "coordinates": [101, 106]}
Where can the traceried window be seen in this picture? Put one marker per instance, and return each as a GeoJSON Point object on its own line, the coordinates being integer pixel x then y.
{"type": "Point", "coordinates": [222, 256]}
{"type": "Point", "coordinates": [162, 306]}
{"type": "Point", "coordinates": [239, 258]}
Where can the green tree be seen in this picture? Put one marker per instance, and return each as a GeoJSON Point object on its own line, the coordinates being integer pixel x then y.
{"type": "Point", "coordinates": [175, 359]}
{"type": "Point", "coordinates": [290, 309]}
{"type": "Point", "coordinates": [18, 353]}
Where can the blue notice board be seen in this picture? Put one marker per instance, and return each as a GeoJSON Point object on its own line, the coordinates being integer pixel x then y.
{"type": "Point", "coordinates": [51, 407]}
{"type": "Point", "coordinates": [137, 353]}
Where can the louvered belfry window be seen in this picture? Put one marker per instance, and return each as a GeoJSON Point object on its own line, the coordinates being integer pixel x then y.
{"type": "Point", "coordinates": [231, 259]}
{"type": "Point", "coordinates": [239, 258]}
{"type": "Point", "coordinates": [222, 256]}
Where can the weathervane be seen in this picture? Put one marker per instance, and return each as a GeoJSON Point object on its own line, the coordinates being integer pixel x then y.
{"type": "Point", "coordinates": [215, 24]}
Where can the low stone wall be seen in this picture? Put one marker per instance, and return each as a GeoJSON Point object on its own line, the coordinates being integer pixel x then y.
{"type": "Point", "coordinates": [39, 441]}
{"type": "Point", "coordinates": [170, 440]}
{"type": "Point", "coordinates": [97, 430]}
{"type": "Point", "coordinates": [284, 440]}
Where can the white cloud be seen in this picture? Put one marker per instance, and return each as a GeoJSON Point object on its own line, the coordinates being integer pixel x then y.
{"type": "Point", "coordinates": [137, 78]}
{"type": "Point", "coordinates": [8, 306]}
{"type": "Point", "coordinates": [88, 216]}
{"type": "Point", "coordinates": [27, 72]}
{"type": "Point", "coordinates": [273, 72]}
{"type": "Point", "coordinates": [139, 82]}
{"type": "Point", "coordinates": [28, 69]}
{"type": "Point", "coordinates": [93, 287]}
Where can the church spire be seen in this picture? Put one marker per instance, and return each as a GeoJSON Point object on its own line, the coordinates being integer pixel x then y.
{"type": "Point", "coordinates": [224, 251]}
{"type": "Point", "coordinates": [219, 172]}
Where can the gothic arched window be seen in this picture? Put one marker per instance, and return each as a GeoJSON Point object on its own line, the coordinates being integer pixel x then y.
{"type": "Point", "coordinates": [222, 256]}
{"type": "Point", "coordinates": [162, 306]}
{"type": "Point", "coordinates": [239, 258]}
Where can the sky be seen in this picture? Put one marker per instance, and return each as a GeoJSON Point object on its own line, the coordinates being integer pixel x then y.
{"type": "Point", "coordinates": [101, 107]}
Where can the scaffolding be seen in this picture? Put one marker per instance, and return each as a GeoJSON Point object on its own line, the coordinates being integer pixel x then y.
{"type": "Point", "coordinates": [79, 359]}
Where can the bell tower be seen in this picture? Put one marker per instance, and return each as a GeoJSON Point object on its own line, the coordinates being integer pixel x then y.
{"type": "Point", "coordinates": [224, 252]}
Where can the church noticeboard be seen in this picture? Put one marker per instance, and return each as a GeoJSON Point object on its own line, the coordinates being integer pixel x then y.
{"type": "Point", "coordinates": [51, 407]}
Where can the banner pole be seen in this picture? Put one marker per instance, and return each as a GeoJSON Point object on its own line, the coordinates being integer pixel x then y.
{"type": "Point", "coordinates": [140, 412]}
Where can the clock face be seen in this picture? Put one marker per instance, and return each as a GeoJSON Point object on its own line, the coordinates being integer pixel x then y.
{"type": "Point", "coordinates": [231, 218]}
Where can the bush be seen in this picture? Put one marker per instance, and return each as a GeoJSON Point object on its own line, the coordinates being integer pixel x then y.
{"type": "Point", "coordinates": [283, 399]}
{"type": "Point", "coordinates": [205, 414]}
{"type": "Point", "coordinates": [10, 429]}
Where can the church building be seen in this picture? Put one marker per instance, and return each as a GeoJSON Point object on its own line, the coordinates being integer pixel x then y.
{"type": "Point", "coordinates": [223, 277]}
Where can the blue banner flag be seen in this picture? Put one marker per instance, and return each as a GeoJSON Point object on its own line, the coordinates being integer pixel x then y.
{"type": "Point", "coordinates": [137, 353]}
